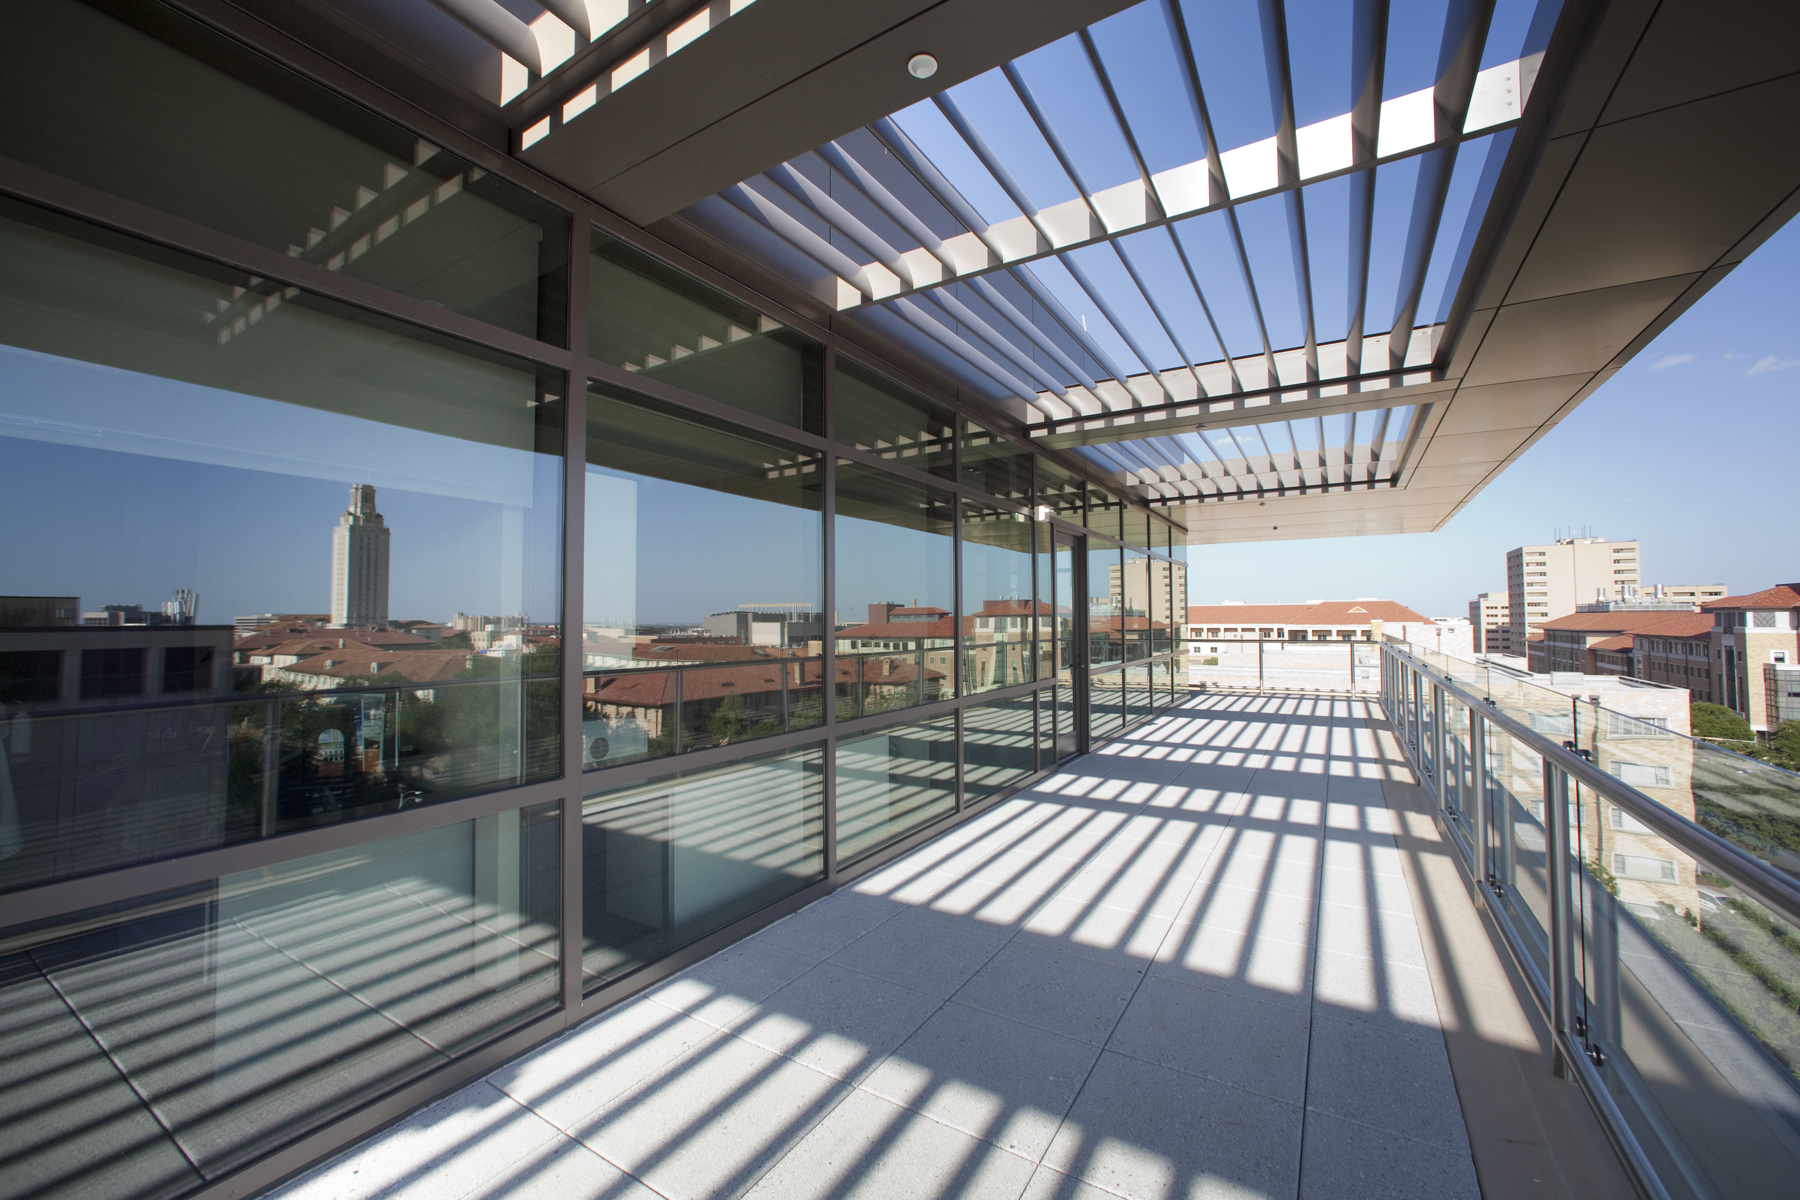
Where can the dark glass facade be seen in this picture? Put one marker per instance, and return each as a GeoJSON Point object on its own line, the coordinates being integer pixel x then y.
{"type": "Point", "coordinates": [411, 651]}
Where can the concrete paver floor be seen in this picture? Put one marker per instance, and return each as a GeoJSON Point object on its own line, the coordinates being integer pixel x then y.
{"type": "Point", "coordinates": [1187, 965]}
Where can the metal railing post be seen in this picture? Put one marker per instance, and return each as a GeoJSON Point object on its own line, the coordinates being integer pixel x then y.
{"type": "Point", "coordinates": [1562, 914]}
{"type": "Point", "coordinates": [1478, 773]}
{"type": "Point", "coordinates": [1412, 711]}
{"type": "Point", "coordinates": [676, 736]}
{"type": "Point", "coordinates": [1440, 742]}
{"type": "Point", "coordinates": [271, 789]}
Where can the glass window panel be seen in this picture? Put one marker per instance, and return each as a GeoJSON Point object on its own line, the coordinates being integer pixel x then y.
{"type": "Point", "coordinates": [172, 114]}
{"type": "Point", "coordinates": [879, 416]}
{"type": "Point", "coordinates": [651, 319]}
{"type": "Point", "coordinates": [1106, 699]}
{"type": "Point", "coordinates": [997, 747]}
{"type": "Point", "coordinates": [1106, 514]}
{"type": "Point", "coordinates": [892, 782]}
{"type": "Point", "coordinates": [704, 618]}
{"type": "Point", "coordinates": [669, 861]}
{"type": "Point", "coordinates": [1138, 701]}
{"type": "Point", "coordinates": [376, 510]}
{"type": "Point", "coordinates": [1136, 604]}
{"type": "Point", "coordinates": [1136, 526]}
{"type": "Point", "coordinates": [1106, 605]}
{"type": "Point", "coordinates": [995, 465]}
{"type": "Point", "coordinates": [997, 607]}
{"type": "Point", "coordinates": [214, 1024]}
{"type": "Point", "coordinates": [1061, 492]}
{"type": "Point", "coordinates": [1163, 617]}
{"type": "Point", "coordinates": [895, 592]}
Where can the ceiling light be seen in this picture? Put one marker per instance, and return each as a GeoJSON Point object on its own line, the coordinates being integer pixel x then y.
{"type": "Point", "coordinates": [921, 66]}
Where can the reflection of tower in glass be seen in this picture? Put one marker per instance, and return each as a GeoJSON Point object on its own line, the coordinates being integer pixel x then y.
{"type": "Point", "coordinates": [359, 563]}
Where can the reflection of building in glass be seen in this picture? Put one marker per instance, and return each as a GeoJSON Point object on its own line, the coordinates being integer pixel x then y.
{"type": "Point", "coordinates": [767, 625]}
{"type": "Point", "coordinates": [359, 563]}
{"type": "Point", "coordinates": [1635, 732]}
{"type": "Point", "coordinates": [25, 612]}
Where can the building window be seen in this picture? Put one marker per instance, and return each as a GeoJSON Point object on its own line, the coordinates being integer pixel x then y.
{"type": "Point", "coordinates": [1640, 866]}
{"type": "Point", "coordinates": [1764, 620]}
{"type": "Point", "coordinates": [1554, 723]}
{"type": "Point", "coordinates": [1639, 774]}
{"type": "Point", "coordinates": [1620, 725]}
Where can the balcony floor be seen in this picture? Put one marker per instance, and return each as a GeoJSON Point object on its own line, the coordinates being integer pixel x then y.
{"type": "Point", "coordinates": [1187, 965]}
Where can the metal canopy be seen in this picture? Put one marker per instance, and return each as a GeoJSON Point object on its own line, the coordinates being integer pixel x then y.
{"type": "Point", "coordinates": [1073, 234]}
{"type": "Point", "coordinates": [1236, 251]}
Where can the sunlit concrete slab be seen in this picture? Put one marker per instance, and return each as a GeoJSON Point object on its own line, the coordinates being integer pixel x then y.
{"type": "Point", "coordinates": [1187, 965]}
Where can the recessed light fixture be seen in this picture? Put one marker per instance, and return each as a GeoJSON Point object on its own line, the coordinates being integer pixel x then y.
{"type": "Point", "coordinates": [921, 66]}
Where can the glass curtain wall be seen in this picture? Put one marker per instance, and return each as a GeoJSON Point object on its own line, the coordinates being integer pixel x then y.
{"type": "Point", "coordinates": [415, 659]}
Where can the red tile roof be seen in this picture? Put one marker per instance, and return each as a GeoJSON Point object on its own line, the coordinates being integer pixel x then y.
{"type": "Point", "coordinates": [1327, 612]}
{"type": "Point", "coordinates": [359, 662]}
{"type": "Point", "coordinates": [1782, 595]}
{"type": "Point", "coordinates": [1662, 624]}
{"type": "Point", "coordinates": [1613, 643]}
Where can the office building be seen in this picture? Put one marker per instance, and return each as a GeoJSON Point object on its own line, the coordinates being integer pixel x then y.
{"type": "Point", "coordinates": [1490, 622]}
{"type": "Point", "coordinates": [359, 563]}
{"type": "Point", "coordinates": [1548, 581]}
{"type": "Point", "coordinates": [1756, 646]}
{"type": "Point", "coordinates": [625, 314]}
{"type": "Point", "coordinates": [1607, 642]}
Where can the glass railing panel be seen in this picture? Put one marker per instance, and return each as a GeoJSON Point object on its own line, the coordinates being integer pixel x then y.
{"type": "Point", "coordinates": [1690, 1018]}
{"type": "Point", "coordinates": [1749, 803]}
{"type": "Point", "coordinates": [1456, 762]}
{"type": "Point", "coordinates": [1516, 830]}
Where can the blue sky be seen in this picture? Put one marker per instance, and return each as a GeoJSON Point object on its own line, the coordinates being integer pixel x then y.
{"type": "Point", "coordinates": [1693, 448]}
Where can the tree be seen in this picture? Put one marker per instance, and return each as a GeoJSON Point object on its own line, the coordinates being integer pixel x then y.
{"type": "Point", "coordinates": [1717, 721]}
{"type": "Point", "coordinates": [727, 720]}
{"type": "Point", "coordinates": [1784, 745]}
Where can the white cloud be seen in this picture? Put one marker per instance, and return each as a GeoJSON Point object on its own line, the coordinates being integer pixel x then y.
{"type": "Point", "coordinates": [1771, 363]}
{"type": "Point", "coordinates": [1671, 360]}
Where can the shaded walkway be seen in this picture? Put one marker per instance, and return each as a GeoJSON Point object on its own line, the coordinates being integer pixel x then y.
{"type": "Point", "coordinates": [1186, 966]}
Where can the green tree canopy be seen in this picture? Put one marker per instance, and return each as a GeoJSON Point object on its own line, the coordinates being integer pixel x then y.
{"type": "Point", "coordinates": [1717, 721]}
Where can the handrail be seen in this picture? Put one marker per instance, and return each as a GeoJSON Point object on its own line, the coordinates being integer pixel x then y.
{"type": "Point", "coordinates": [1774, 889]}
{"type": "Point", "coordinates": [165, 703]}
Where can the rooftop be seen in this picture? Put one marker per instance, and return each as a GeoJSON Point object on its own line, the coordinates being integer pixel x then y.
{"type": "Point", "coordinates": [1324, 612]}
{"type": "Point", "coordinates": [1782, 595]}
{"type": "Point", "coordinates": [1177, 967]}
